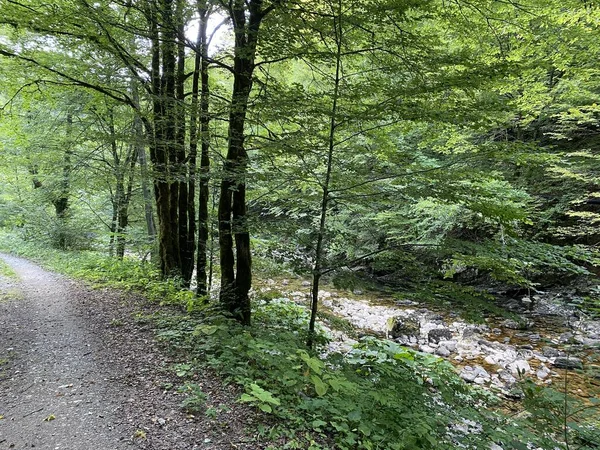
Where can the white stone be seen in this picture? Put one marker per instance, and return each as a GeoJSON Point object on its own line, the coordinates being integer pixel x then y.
{"type": "Point", "coordinates": [450, 345]}
{"type": "Point", "coordinates": [442, 351]}
{"type": "Point", "coordinates": [518, 366]}
{"type": "Point", "coordinates": [543, 373]}
{"type": "Point", "coordinates": [489, 359]}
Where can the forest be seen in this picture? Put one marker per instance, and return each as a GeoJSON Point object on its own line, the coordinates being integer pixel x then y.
{"type": "Point", "coordinates": [378, 219]}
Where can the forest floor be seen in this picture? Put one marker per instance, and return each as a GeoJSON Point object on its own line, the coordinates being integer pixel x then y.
{"type": "Point", "coordinates": [78, 371]}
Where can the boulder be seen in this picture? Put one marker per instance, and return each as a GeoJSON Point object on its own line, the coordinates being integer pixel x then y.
{"type": "Point", "coordinates": [568, 362]}
{"type": "Point", "coordinates": [439, 334]}
{"type": "Point", "coordinates": [403, 326]}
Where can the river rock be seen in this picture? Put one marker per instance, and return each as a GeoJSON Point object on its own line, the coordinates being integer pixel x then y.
{"type": "Point", "coordinates": [507, 377]}
{"type": "Point", "coordinates": [435, 317]}
{"type": "Point", "coordinates": [406, 303]}
{"type": "Point", "coordinates": [426, 349]}
{"type": "Point", "coordinates": [489, 359]}
{"type": "Point", "coordinates": [568, 362]}
{"type": "Point", "coordinates": [403, 326]}
{"type": "Point", "coordinates": [443, 351]}
{"type": "Point", "coordinates": [470, 332]}
{"type": "Point", "coordinates": [518, 366]}
{"type": "Point", "coordinates": [543, 373]}
{"type": "Point", "coordinates": [551, 352]}
{"type": "Point", "coordinates": [565, 337]}
{"type": "Point", "coordinates": [305, 283]}
{"type": "Point", "coordinates": [475, 374]}
{"type": "Point", "coordinates": [450, 345]}
{"type": "Point", "coordinates": [523, 324]}
{"type": "Point", "coordinates": [588, 341]}
{"type": "Point", "coordinates": [440, 334]}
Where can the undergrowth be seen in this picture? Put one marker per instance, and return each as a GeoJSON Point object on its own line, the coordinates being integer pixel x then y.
{"type": "Point", "coordinates": [378, 395]}
{"type": "Point", "coordinates": [6, 271]}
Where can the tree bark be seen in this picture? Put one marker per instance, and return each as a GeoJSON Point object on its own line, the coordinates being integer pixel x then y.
{"type": "Point", "coordinates": [236, 272]}
{"type": "Point", "coordinates": [200, 88]}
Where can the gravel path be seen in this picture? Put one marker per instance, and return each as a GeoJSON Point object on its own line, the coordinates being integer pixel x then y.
{"type": "Point", "coordinates": [77, 372]}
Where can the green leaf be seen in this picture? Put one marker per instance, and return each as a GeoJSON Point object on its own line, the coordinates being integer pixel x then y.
{"type": "Point", "coordinates": [320, 387]}
{"type": "Point", "coordinates": [263, 395]}
{"type": "Point", "coordinates": [355, 415]}
{"type": "Point", "coordinates": [317, 424]}
{"type": "Point", "coordinates": [206, 329]}
{"type": "Point", "coordinates": [265, 407]}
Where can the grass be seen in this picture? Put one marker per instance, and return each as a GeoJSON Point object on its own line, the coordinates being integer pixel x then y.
{"type": "Point", "coordinates": [6, 271]}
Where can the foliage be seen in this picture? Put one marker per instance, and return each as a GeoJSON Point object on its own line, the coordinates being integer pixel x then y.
{"type": "Point", "coordinates": [380, 395]}
{"type": "Point", "coordinates": [574, 420]}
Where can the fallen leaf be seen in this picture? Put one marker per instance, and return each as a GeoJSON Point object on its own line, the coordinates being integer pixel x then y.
{"type": "Point", "coordinates": [50, 418]}
{"type": "Point", "coordinates": [140, 434]}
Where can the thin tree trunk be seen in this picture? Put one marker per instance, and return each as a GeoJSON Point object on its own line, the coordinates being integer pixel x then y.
{"type": "Point", "coordinates": [319, 251]}
{"type": "Point", "coordinates": [201, 77]}
{"type": "Point", "coordinates": [113, 227]}
{"type": "Point", "coordinates": [140, 151]}
{"type": "Point", "coordinates": [130, 161]}
{"type": "Point", "coordinates": [61, 203]}
{"type": "Point", "coordinates": [186, 233]}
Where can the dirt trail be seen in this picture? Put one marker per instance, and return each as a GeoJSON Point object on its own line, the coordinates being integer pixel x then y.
{"type": "Point", "coordinates": [78, 373]}
{"type": "Point", "coordinates": [54, 395]}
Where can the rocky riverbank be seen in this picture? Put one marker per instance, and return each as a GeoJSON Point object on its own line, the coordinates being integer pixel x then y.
{"type": "Point", "coordinates": [547, 340]}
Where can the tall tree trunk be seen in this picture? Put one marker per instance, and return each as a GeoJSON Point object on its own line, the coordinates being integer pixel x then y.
{"type": "Point", "coordinates": [170, 119]}
{"type": "Point", "coordinates": [236, 281]}
{"type": "Point", "coordinates": [186, 234]}
{"type": "Point", "coordinates": [319, 250]}
{"type": "Point", "coordinates": [200, 78]}
{"type": "Point", "coordinates": [163, 133]}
